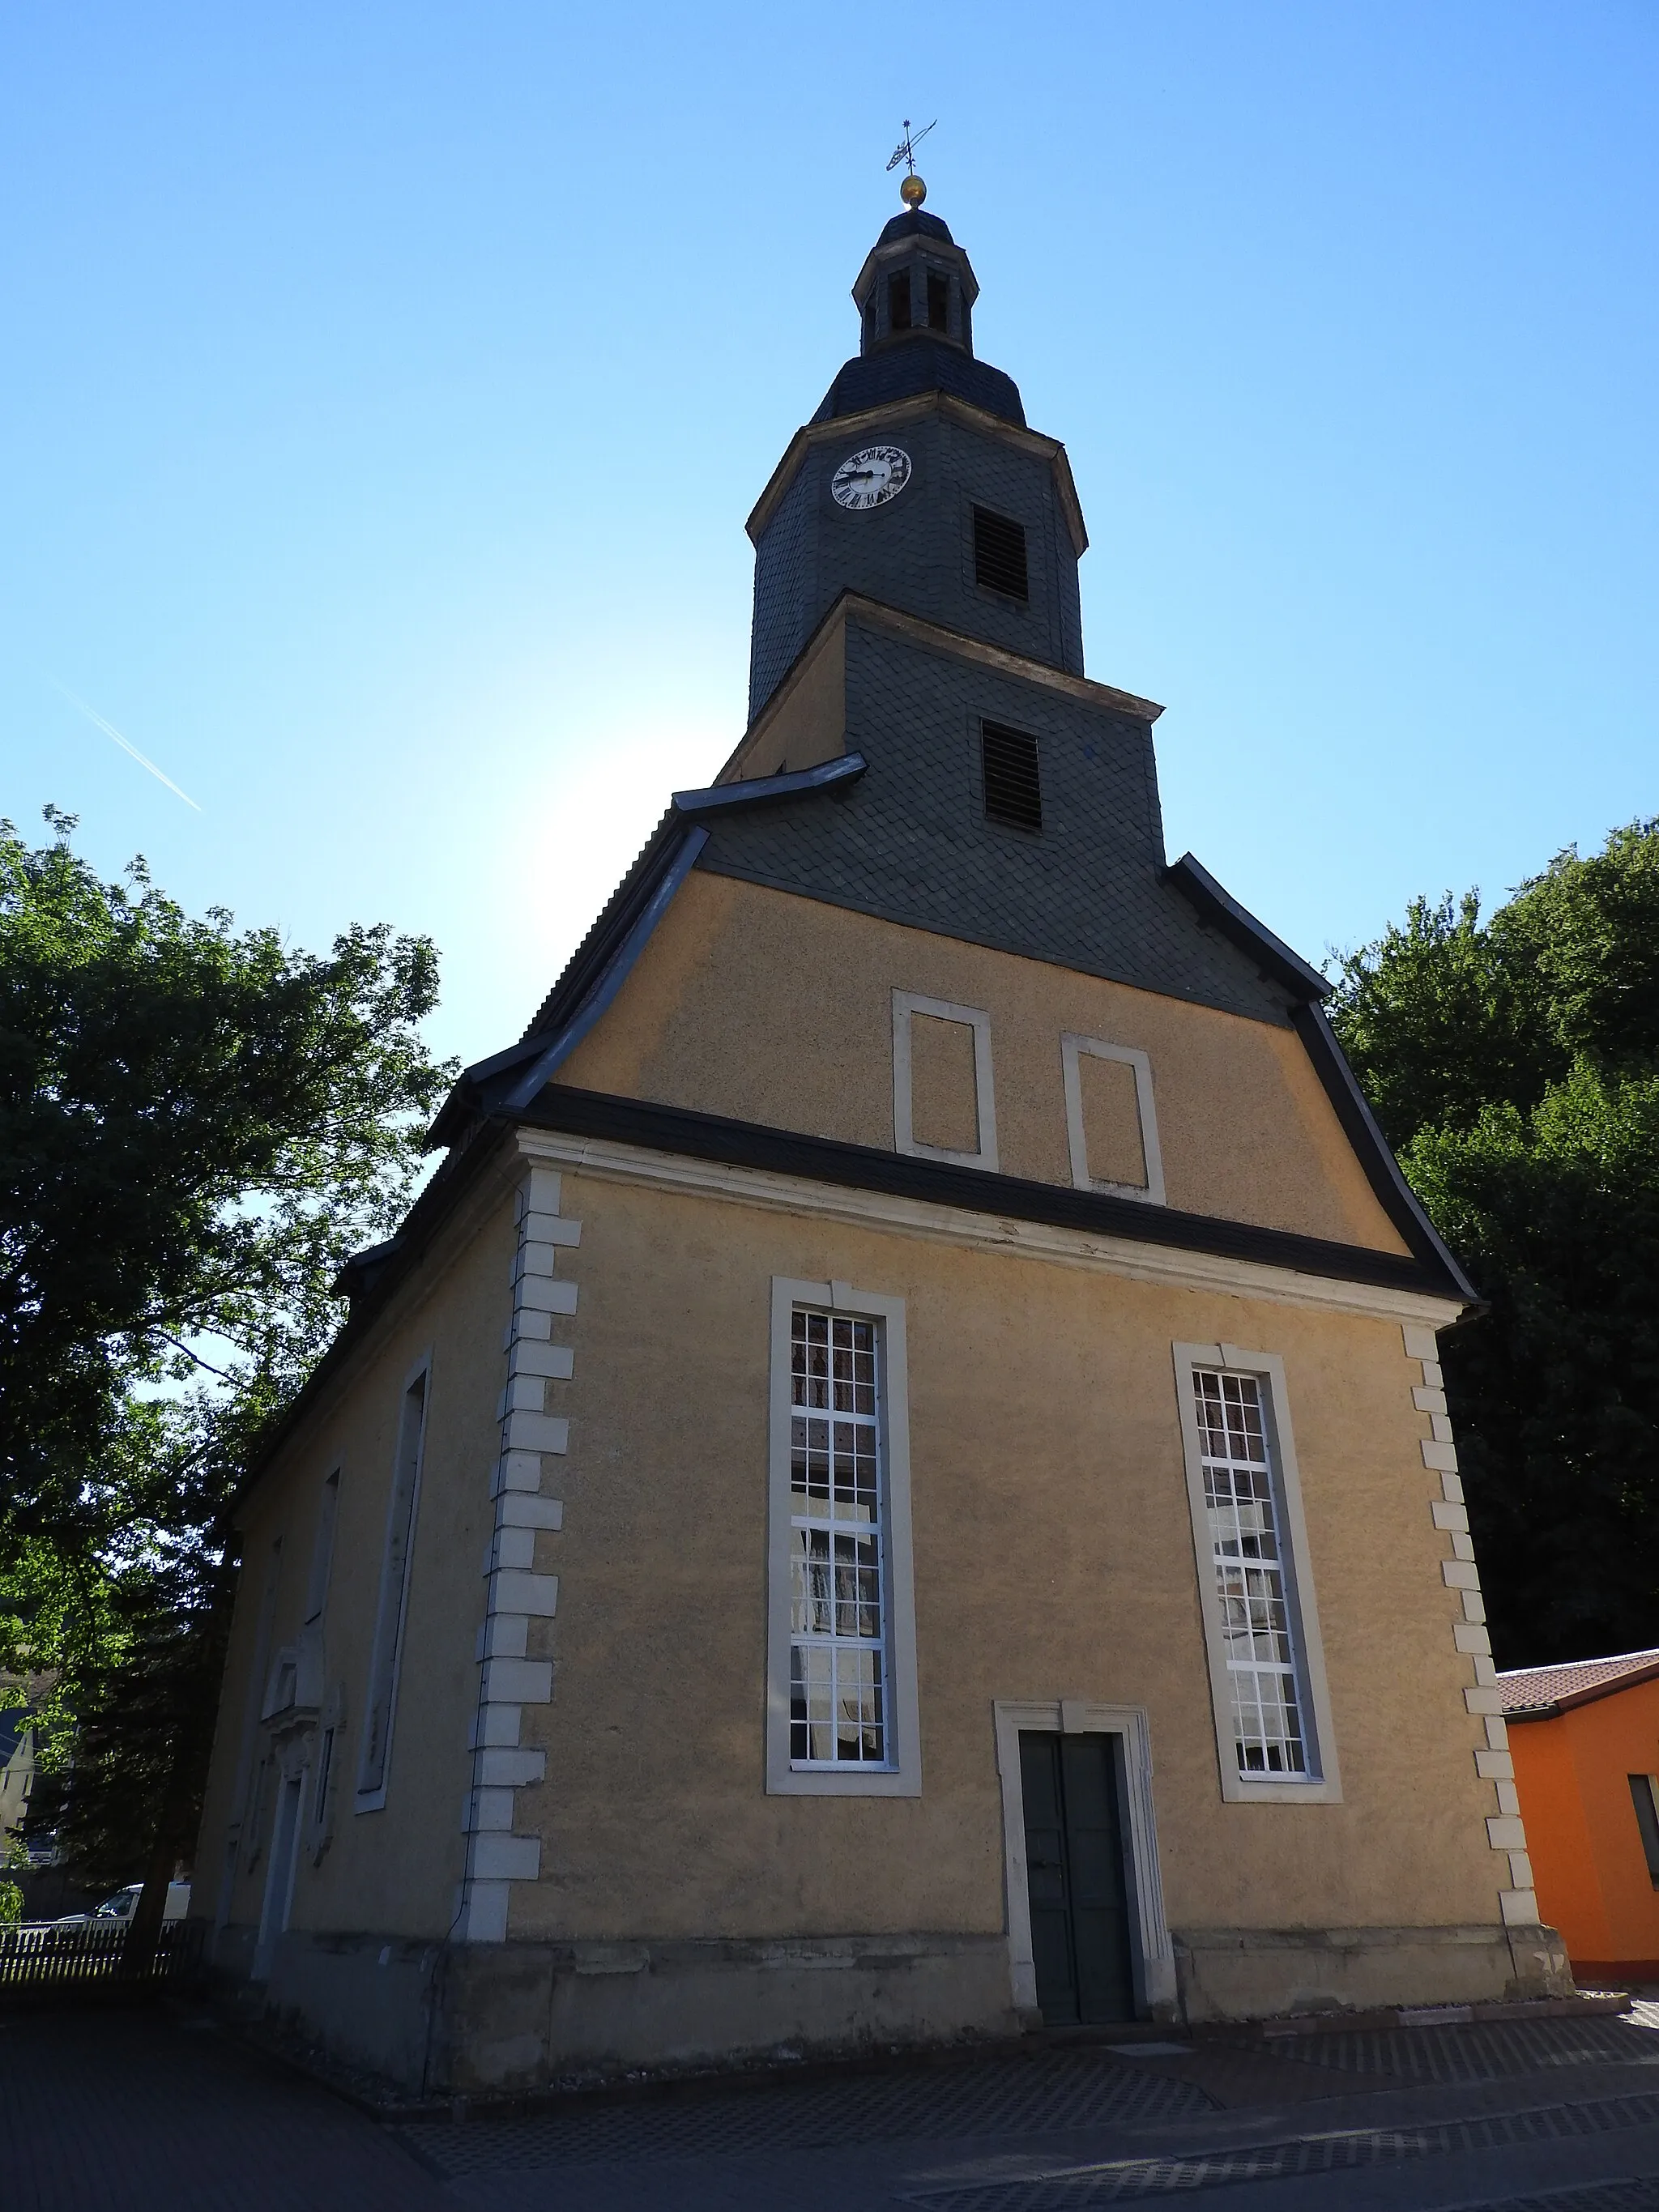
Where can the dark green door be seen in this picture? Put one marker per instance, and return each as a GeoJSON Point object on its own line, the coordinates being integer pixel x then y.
{"type": "Point", "coordinates": [1075, 1862]}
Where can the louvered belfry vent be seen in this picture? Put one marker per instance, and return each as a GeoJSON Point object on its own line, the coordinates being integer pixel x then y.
{"type": "Point", "coordinates": [1013, 788]}
{"type": "Point", "coordinates": [999, 555]}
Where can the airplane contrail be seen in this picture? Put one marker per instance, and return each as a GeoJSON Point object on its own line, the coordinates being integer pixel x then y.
{"type": "Point", "coordinates": [127, 744]}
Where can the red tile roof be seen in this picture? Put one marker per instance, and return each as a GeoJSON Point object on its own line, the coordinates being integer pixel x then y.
{"type": "Point", "coordinates": [1575, 1682]}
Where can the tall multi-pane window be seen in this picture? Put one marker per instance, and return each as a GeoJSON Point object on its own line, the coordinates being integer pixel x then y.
{"type": "Point", "coordinates": [1244, 1497]}
{"type": "Point", "coordinates": [838, 1656]}
{"type": "Point", "coordinates": [388, 1645]}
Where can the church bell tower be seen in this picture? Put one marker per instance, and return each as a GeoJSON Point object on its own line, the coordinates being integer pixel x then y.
{"type": "Point", "coordinates": [974, 521]}
{"type": "Point", "coordinates": [916, 606]}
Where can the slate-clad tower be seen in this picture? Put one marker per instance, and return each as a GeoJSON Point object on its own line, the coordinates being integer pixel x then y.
{"type": "Point", "coordinates": [977, 453]}
{"type": "Point", "coordinates": [894, 1485]}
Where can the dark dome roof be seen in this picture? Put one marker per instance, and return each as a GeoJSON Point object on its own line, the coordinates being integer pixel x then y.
{"type": "Point", "coordinates": [920, 364]}
{"type": "Point", "coordinates": [914, 223]}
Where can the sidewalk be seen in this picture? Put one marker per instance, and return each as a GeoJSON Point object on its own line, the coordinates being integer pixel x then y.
{"type": "Point", "coordinates": [135, 2111]}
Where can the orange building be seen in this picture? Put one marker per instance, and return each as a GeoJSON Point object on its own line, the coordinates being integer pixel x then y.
{"type": "Point", "coordinates": [1585, 1740]}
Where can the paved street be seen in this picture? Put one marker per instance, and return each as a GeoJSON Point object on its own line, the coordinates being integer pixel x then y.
{"type": "Point", "coordinates": [137, 2112]}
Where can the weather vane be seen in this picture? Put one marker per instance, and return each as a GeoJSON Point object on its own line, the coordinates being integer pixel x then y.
{"type": "Point", "coordinates": [913, 191]}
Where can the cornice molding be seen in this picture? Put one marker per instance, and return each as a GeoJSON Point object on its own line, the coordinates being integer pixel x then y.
{"type": "Point", "coordinates": [919, 631]}
{"type": "Point", "coordinates": [848, 429]}
{"type": "Point", "coordinates": [613, 1161]}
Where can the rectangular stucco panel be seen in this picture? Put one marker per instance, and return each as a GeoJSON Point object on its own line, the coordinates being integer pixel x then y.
{"type": "Point", "coordinates": [770, 1008]}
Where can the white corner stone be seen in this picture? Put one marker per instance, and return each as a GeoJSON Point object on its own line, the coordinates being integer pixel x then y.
{"type": "Point", "coordinates": [1474, 1606]}
{"type": "Point", "coordinates": [535, 1432]}
{"type": "Point", "coordinates": [1429, 1401]}
{"type": "Point", "coordinates": [1451, 1489]}
{"type": "Point", "coordinates": [1519, 1907]}
{"type": "Point", "coordinates": [1439, 1457]}
{"type": "Point", "coordinates": [510, 1770]}
{"type": "Point", "coordinates": [483, 1916]}
{"type": "Point", "coordinates": [552, 1362]}
{"type": "Point", "coordinates": [1450, 1516]}
{"type": "Point", "coordinates": [543, 1294]}
{"type": "Point", "coordinates": [1420, 1343]}
{"type": "Point", "coordinates": [538, 1227]}
{"type": "Point", "coordinates": [514, 1591]}
{"type": "Point", "coordinates": [1479, 1700]}
{"type": "Point", "coordinates": [527, 1681]}
{"type": "Point", "coordinates": [487, 1810]}
{"type": "Point", "coordinates": [504, 1636]}
{"type": "Point", "coordinates": [1468, 1636]}
{"type": "Point", "coordinates": [517, 1470]}
{"type": "Point", "coordinates": [1460, 1574]}
{"type": "Point", "coordinates": [499, 1724]}
{"type": "Point", "coordinates": [1495, 1766]}
{"type": "Point", "coordinates": [506, 1858]}
{"type": "Point", "coordinates": [510, 1547]}
{"type": "Point", "coordinates": [517, 1509]}
{"type": "Point", "coordinates": [542, 1191]}
{"type": "Point", "coordinates": [1498, 1731]}
{"type": "Point", "coordinates": [1507, 1800]}
{"type": "Point", "coordinates": [1506, 1833]}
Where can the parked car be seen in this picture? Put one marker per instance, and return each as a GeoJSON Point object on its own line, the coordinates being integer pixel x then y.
{"type": "Point", "coordinates": [124, 1904]}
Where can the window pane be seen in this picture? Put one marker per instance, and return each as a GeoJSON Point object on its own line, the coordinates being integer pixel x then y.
{"type": "Point", "coordinates": [837, 1571]}
{"type": "Point", "coordinates": [1242, 1499]}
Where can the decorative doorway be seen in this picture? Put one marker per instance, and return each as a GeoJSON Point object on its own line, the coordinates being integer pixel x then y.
{"type": "Point", "coordinates": [1087, 1939]}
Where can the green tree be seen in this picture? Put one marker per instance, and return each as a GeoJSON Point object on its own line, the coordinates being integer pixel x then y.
{"type": "Point", "coordinates": [197, 1125]}
{"type": "Point", "coordinates": [1514, 1064]}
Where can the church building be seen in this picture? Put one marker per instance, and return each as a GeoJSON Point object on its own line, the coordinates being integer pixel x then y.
{"type": "Point", "coordinates": [894, 1487]}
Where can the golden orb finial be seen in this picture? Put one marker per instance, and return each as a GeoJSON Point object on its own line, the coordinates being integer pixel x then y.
{"type": "Point", "coordinates": [913, 191]}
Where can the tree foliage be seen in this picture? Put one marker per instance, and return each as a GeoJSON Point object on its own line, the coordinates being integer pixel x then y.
{"type": "Point", "coordinates": [197, 1125]}
{"type": "Point", "coordinates": [1514, 1064]}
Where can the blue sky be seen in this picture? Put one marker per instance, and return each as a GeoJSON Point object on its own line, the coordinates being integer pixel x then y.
{"type": "Point", "coordinates": [386, 389]}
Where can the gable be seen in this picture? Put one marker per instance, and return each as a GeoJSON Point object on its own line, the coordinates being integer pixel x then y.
{"type": "Point", "coordinates": [767, 1007]}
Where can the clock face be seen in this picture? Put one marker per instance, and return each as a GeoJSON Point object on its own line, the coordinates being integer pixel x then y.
{"type": "Point", "coordinates": [872, 477]}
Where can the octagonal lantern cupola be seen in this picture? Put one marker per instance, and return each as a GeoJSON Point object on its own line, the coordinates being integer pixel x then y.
{"type": "Point", "coordinates": [915, 283]}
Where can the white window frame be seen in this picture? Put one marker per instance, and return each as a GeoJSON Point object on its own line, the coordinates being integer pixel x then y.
{"type": "Point", "coordinates": [1071, 1047]}
{"type": "Point", "coordinates": [905, 1003]}
{"type": "Point", "coordinates": [322, 1547]}
{"type": "Point", "coordinates": [371, 1798]}
{"type": "Point", "coordinates": [1323, 1784]}
{"type": "Point", "coordinates": [1153, 1959]}
{"type": "Point", "coordinates": [902, 1776]}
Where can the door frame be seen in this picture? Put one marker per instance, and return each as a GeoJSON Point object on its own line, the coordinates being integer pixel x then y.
{"type": "Point", "coordinates": [278, 1901]}
{"type": "Point", "coordinates": [1151, 1952]}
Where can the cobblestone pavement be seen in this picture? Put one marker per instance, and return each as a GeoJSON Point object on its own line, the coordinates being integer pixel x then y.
{"type": "Point", "coordinates": [138, 2111]}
